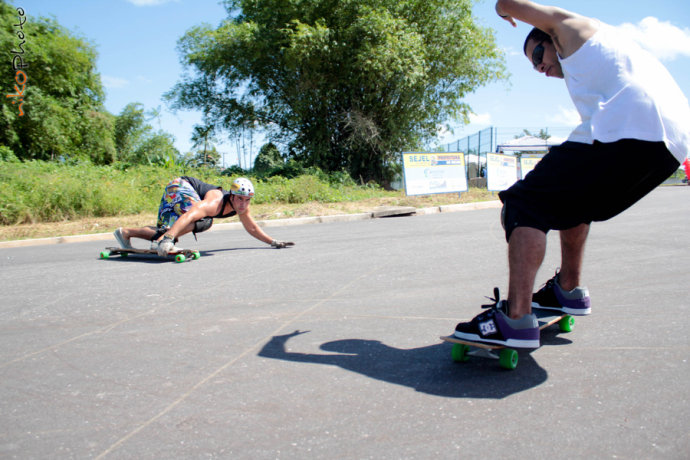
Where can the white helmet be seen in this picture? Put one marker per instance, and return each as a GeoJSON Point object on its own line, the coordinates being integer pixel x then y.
{"type": "Point", "coordinates": [242, 186]}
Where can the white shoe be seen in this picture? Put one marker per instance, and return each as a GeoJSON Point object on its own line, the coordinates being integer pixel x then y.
{"type": "Point", "coordinates": [124, 242]}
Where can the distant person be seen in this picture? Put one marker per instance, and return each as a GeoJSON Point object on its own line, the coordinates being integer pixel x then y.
{"type": "Point", "coordinates": [634, 133]}
{"type": "Point", "coordinates": [190, 205]}
{"type": "Point", "coordinates": [686, 163]}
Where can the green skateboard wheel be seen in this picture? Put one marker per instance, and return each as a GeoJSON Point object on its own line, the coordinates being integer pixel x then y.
{"type": "Point", "coordinates": [459, 352]}
{"type": "Point", "coordinates": [566, 323]}
{"type": "Point", "coordinates": [196, 255]}
{"type": "Point", "coordinates": [180, 258]}
{"type": "Point", "coordinates": [508, 359]}
{"type": "Point", "coordinates": [105, 254]}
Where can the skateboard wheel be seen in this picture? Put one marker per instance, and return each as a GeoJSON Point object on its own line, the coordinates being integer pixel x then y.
{"type": "Point", "coordinates": [566, 323]}
{"type": "Point", "coordinates": [508, 359]}
{"type": "Point", "coordinates": [459, 352]}
{"type": "Point", "coordinates": [196, 255]}
{"type": "Point", "coordinates": [180, 258]}
{"type": "Point", "coordinates": [105, 254]}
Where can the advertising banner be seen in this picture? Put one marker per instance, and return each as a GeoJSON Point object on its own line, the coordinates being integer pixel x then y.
{"type": "Point", "coordinates": [431, 173]}
{"type": "Point", "coordinates": [527, 164]}
{"type": "Point", "coordinates": [501, 171]}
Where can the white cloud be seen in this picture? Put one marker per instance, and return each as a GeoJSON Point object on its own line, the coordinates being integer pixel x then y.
{"type": "Point", "coordinates": [149, 2]}
{"type": "Point", "coordinates": [512, 51]}
{"type": "Point", "coordinates": [662, 38]}
{"type": "Point", "coordinates": [480, 118]}
{"type": "Point", "coordinates": [113, 82]}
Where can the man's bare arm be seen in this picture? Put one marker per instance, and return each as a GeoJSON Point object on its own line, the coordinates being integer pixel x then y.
{"type": "Point", "coordinates": [206, 208]}
{"type": "Point", "coordinates": [568, 30]}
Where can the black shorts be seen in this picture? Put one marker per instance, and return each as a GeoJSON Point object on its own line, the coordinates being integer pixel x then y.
{"type": "Point", "coordinates": [578, 183]}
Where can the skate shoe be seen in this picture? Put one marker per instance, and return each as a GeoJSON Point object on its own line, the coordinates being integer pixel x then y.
{"type": "Point", "coordinates": [553, 297]}
{"type": "Point", "coordinates": [495, 327]}
{"type": "Point", "coordinates": [122, 241]}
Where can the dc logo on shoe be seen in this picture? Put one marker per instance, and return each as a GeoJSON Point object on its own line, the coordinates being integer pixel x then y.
{"type": "Point", "coordinates": [487, 328]}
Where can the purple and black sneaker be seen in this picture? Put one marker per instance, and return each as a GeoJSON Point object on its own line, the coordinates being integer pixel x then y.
{"type": "Point", "coordinates": [494, 327]}
{"type": "Point", "coordinates": [553, 297]}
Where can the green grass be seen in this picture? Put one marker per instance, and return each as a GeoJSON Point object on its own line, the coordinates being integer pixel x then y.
{"type": "Point", "coordinates": [39, 191]}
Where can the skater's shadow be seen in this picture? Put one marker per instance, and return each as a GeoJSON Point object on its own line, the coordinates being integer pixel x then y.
{"type": "Point", "coordinates": [426, 369]}
{"type": "Point", "coordinates": [248, 248]}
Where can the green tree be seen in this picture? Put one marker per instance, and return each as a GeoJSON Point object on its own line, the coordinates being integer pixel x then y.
{"type": "Point", "coordinates": [203, 136]}
{"type": "Point", "coordinates": [209, 157]}
{"type": "Point", "coordinates": [136, 141]}
{"type": "Point", "coordinates": [130, 130]}
{"type": "Point", "coordinates": [542, 134]}
{"type": "Point", "coordinates": [157, 149]}
{"type": "Point", "coordinates": [61, 114]}
{"type": "Point", "coordinates": [268, 158]}
{"type": "Point", "coordinates": [346, 84]}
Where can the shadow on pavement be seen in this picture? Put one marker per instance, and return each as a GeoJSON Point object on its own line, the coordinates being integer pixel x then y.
{"type": "Point", "coordinates": [249, 248]}
{"type": "Point", "coordinates": [426, 369]}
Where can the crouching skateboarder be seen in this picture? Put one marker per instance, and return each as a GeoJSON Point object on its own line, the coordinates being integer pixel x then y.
{"type": "Point", "coordinates": [190, 205]}
{"type": "Point", "coordinates": [634, 133]}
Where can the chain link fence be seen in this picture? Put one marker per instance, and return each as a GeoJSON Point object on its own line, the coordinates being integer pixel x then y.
{"type": "Point", "coordinates": [476, 146]}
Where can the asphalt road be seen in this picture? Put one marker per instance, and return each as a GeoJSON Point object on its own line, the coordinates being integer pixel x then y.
{"type": "Point", "coordinates": [330, 349]}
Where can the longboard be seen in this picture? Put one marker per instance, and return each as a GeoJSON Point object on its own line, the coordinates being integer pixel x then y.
{"type": "Point", "coordinates": [180, 256]}
{"type": "Point", "coordinates": [507, 357]}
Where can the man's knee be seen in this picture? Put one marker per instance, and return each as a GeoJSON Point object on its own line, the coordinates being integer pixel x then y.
{"type": "Point", "coordinates": [513, 216]}
{"type": "Point", "coordinates": [160, 231]}
{"type": "Point", "coordinates": [202, 225]}
{"type": "Point", "coordinates": [508, 220]}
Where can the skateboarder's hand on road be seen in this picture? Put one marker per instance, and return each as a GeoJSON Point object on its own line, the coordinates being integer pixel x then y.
{"type": "Point", "coordinates": [281, 244]}
{"type": "Point", "coordinates": [165, 246]}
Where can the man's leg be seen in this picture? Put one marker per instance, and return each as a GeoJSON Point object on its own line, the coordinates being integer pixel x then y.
{"type": "Point", "coordinates": [123, 235]}
{"type": "Point", "coordinates": [526, 249]}
{"type": "Point", "coordinates": [563, 292]}
{"type": "Point", "coordinates": [150, 233]}
{"type": "Point", "coordinates": [572, 254]}
{"type": "Point", "coordinates": [145, 233]}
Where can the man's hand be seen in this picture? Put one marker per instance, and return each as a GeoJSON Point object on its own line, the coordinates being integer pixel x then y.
{"type": "Point", "coordinates": [510, 20]}
{"type": "Point", "coordinates": [165, 246]}
{"type": "Point", "coordinates": [281, 244]}
{"type": "Point", "coordinates": [504, 16]}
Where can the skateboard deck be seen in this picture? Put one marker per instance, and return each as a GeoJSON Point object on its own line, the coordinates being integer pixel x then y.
{"type": "Point", "coordinates": [507, 357]}
{"type": "Point", "coordinates": [180, 256]}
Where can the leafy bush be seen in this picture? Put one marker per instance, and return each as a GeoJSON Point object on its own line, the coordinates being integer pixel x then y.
{"type": "Point", "coordinates": [6, 154]}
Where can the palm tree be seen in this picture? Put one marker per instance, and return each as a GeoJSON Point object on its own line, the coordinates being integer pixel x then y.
{"type": "Point", "coordinates": [203, 135]}
{"type": "Point", "coordinates": [155, 114]}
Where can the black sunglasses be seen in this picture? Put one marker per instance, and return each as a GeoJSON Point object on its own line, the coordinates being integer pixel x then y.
{"type": "Point", "coordinates": [538, 54]}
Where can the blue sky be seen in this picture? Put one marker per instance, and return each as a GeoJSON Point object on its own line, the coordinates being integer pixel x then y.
{"type": "Point", "coordinates": [138, 61]}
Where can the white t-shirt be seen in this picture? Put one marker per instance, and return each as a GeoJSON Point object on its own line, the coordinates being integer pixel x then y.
{"type": "Point", "coordinates": [623, 92]}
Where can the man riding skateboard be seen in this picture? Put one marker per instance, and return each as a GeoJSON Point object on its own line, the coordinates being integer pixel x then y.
{"type": "Point", "coordinates": [190, 205]}
{"type": "Point", "coordinates": [634, 133]}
